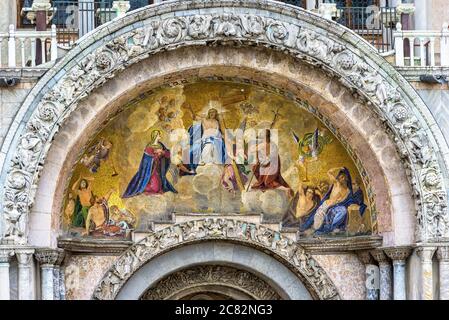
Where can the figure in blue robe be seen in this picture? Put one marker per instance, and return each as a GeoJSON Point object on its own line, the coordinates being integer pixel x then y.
{"type": "Point", "coordinates": [151, 176]}
{"type": "Point", "coordinates": [335, 215]}
{"type": "Point", "coordinates": [206, 146]}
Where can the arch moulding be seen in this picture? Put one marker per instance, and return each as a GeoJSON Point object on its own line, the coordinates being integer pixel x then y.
{"type": "Point", "coordinates": [215, 230]}
{"type": "Point", "coordinates": [109, 49]}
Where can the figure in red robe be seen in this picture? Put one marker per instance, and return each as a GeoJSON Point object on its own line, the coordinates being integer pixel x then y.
{"type": "Point", "coordinates": [267, 169]}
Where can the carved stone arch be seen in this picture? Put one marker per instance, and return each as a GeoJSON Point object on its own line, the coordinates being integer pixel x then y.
{"type": "Point", "coordinates": [228, 281]}
{"type": "Point", "coordinates": [167, 26]}
{"type": "Point", "coordinates": [210, 230]}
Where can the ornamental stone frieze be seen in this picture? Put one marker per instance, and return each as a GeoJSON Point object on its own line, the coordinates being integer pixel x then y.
{"type": "Point", "coordinates": [206, 276]}
{"type": "Point", "coordinates": [168, 26]}
{"type": "Point", "coordinates": [160, 242]}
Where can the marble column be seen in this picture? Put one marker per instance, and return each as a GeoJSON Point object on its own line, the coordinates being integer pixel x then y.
{"type": "Point", "coordinates": [443, 258]}
{"type": "Point", "coordinates": [426, 255]}
{"type": "Point", "coordinates": [371, 275]}
{"type": "Point", "coordinates": [399, 255]}
{"type": "Point", "coordinates": [24, 259]}
{"type": "Point", "coordinates": [385, 274]}
{"type": "Point", "coordinates": [47, 259]}
{"type": "Point", "coordinates": [57, 284]}
{"type": "Point", "coordinates": [5, 257]}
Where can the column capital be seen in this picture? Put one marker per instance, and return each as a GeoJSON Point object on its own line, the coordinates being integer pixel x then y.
{"type": "Point", "coordinates": [425, 253]}
{"type": "Point", "coordinates": [365, 257]}
{"type": "Point", "coordinates": [6, 255]}
{"type": "Point", "coordinates": [48, 256]}
{"type": "Point", "coordinates": [443, 253]}
{"type": "Point", "coordinates": [24, 256]}
{"type": "Point", "coordinates": [398, 253]}
{"type": "Point", "coordinates": [380, 256]}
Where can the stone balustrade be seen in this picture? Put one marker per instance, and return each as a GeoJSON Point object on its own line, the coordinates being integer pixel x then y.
{"type": "Point", "coordinates": [426, 48]}
{"type": "Point", "coordinates": [20, 47]}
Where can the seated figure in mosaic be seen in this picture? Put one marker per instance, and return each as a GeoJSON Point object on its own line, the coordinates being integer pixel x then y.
{"type": "Point", "coordinates": [305, 202]}
{"type": "Point", "coordinates": [331, 216]}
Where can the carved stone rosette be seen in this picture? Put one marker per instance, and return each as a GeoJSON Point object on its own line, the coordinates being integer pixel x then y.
{"type": "Point", "coordinates": [270, 24]}
{"type": "Point", "coordinates": [155, 244]}
{"type": "Point", "coordinates": [209, 275]}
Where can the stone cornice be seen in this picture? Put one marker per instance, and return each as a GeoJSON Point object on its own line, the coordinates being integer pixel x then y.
{"type": "Point", "coordinates": [413, 74]}
{"type": "Point", "coordinates": [94, 246]}
{"type": "Point", "coordinates": [339, 245]}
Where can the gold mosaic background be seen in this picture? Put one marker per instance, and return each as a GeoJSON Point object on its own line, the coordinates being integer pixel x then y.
{"type": "Point", "coordinates": [129, 133]}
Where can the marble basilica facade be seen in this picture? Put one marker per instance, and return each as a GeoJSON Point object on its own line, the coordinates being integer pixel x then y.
{"type": "Point", "coordinates": [392, 130]}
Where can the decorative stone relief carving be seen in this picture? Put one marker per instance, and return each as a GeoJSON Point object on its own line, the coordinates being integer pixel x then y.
{"type": "Point", "coordinates": [398, 253]}
{"type": "Point", "coordinates": [254, 27]}
{"type": "Point", "coordinates": [315, 278]}
{"type": "Point", "coordinates": [380, 256]}
{"type": "Point", "coordinates": [365, 257]}
{"type": "Point", "coordinates": [211, 275]}
{"type": "Point", "coordinates": [48, 256]}
{"type": "Point", "coordinates": [24, 256]}
{"type": "Point", "coordinates": [443, 253]}
{"type": "Point", "coordinates": [6, 255]}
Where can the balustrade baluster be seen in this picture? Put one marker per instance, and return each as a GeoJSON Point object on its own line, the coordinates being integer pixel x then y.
{"type": "Point", "coordinates": [412, 51]}
{"type": "Point", "coordinates": [422, 52]}
{"type": "Point", "coordinates": [12, 47]}
{"type": "Point", "coordinates": [33, 52]}
{"type": "Point", "coordinates": [1, 47]}
{"type": "Point", "coordinates": [22, 51]}
{"type": "Point", "coordinates": [432, 52]}
{"type": "Point", "coordinates": [44, 57]}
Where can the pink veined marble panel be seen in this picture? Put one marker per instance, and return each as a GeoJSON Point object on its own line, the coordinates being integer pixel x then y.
{"type": "Point", "coordinates": [83, 273]}
{"type": "Point", "coordinates": [347, 273]}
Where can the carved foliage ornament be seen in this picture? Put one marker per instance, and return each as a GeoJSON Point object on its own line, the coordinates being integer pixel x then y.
{"type": "Point", "coordinates": [211, 275]}
{"type": "Point", "coordinates": [314, 277]}
{"type": "Point", "coordinates": [227, 28]}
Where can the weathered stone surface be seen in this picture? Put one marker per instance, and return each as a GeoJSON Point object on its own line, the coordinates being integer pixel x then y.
{"type": "Point", "coordinates": [356, 72]}
{"type": "Point", "coordinates": [82, 274]}
{"type": "Point", "coordinates": [160, 242]}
